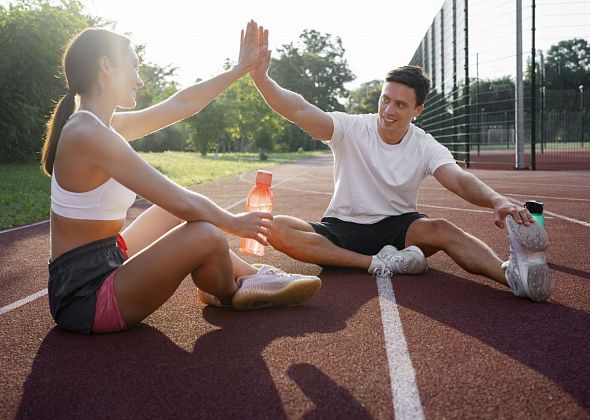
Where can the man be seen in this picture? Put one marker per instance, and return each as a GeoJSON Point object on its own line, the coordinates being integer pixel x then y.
{"type": "Point", "coordinates": [379, 161]}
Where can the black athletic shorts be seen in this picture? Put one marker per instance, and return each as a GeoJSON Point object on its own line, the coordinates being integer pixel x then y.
{"type": "Point", "coordinates": [74, 278]}
{"type": "Point", "coordinates": [367, 239]}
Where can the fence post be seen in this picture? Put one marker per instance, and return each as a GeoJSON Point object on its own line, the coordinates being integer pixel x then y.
{"type": "Point", "coordinates": [542, 71]}
{"type": "Point", "coordinates": [519, 91]}
{"type": "Point", "coordinates": [466, 93]}
{"type": "Point", "coordinates": [533, 94]}
{"type": "Point", "coordinates": [582, 111]}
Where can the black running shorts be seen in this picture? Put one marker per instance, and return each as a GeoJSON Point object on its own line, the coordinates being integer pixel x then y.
{"type": "Point", "coordinates": [367, 239]}
{"type": "Point", "coordinates": [74, 278]}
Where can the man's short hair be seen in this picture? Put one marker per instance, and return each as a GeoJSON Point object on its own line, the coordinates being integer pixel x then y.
{"type": "Point", "coordinates": [414, 77]}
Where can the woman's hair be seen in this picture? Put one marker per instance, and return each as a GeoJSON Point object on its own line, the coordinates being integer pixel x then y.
{"type": "Point", "coordinates": [80, 64]}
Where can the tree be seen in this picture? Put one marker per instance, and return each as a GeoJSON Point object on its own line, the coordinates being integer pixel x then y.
{"type": "Point", "coordinates": [365, 99]}
{"type": "Point", "coordinates": [495, 100]}
{"type": "Point", "coordinates": [209, 128]}
{"type": "Point", "coordinates": [239, 119]}
{"type": "Point", "coordinates": [567, 64]}
{"type": "Point", "coordinates": [32, 34]}
{"type": "Point", "coordinates": [158, 84]}
{"type": "Point", "coordinates": [315, 67]}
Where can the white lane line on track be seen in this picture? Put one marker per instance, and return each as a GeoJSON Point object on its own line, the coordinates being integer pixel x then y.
{"type": "Point", "coordinates": [520, 195]}
{"type": "Point", "coordinates": [534, 183]}
{"type": "Point", "coordinates": [569, 219]}
{"type": "Point", "coordinates": [549, 197]}
{"type": "Point", "coordinates": [454, 208]}
{"type": "Point", "coordinates": [22, 302]}
{"type": "Point", "coordinates": [24, 227]}
{"type": "Point", "coordinates": [547, 213]}
{"type": "Point", "coordinates": [237, 203]}
{"type": "Point", "coordinates": [406, 399]}
{"type": "Point", "coordinates": [556, 215]}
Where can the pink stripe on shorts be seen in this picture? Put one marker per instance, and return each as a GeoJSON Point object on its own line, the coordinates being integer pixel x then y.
{"type": "Point", "coordinates": [107, 316]}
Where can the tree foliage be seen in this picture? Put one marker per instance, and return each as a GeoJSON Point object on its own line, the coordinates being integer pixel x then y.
{"type": "Point", "coordinates": [365, 99]}
{"type": "Point", "coordinates": [314, 67]}
{"type": "Point", "coordinates": [238, 120]}
{"type": "Point", "coordinates": [158, 84]}
{"type": "Point", "coordinates": [32, 35]}
{"type": "Point", "coordinates": [567, 64]}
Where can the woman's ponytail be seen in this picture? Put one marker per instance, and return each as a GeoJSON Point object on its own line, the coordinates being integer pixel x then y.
{"type": "Point", "coordinates": [61, 113]}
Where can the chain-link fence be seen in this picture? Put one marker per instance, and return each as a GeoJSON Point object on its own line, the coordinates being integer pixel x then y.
{"type": "Point", "coordinates": [475, 108]}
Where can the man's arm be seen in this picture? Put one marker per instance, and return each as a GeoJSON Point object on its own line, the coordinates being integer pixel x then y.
{"type": "Point", "coordinates": [473, 190]}
{"type": "Point", "coordinates": [290, 105]}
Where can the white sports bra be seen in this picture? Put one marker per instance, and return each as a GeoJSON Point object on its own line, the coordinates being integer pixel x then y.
{"type": "Point", "coordinates": [109, 201]}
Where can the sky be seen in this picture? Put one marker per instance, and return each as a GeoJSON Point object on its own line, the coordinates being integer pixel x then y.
{"type": "Point", "coordinates": [197, 36]}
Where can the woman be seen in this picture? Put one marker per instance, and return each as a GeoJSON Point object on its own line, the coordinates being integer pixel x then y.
{"type": "Point", "coordinates": [103, 279]}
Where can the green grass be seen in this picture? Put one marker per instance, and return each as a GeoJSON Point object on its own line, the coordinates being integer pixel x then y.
{"type": "Point", "coordinates": [190, 168]}
{"type": "Point", "coordinates": [25, 191]}
{"type": "Point", "coordinates": [24, 195]}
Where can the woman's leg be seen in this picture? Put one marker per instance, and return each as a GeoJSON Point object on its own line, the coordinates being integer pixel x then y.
{"type": "Point", "coordinates": [154, 223]}
{"type": "Point", "coordinates": [152, 275]}
{"type": "Point", "coordinates": [147, 228]}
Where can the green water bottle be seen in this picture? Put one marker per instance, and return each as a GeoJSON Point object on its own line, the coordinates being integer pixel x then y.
{"type": "Point", "coordinates": [536, 210]}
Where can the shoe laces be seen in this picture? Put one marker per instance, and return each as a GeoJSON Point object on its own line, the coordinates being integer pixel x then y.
{"type": "Point", "coordinates": [383, 271]}
{"type": "Point", "coordinates": [388, 260]}
{"type": "Point", "coordinates": [273, 271]}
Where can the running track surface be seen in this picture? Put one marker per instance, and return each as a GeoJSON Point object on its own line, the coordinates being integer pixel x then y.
{"type": "Point", "coordinates": [446, 344]}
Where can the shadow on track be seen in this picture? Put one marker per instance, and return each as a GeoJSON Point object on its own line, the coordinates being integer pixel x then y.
{"type": "Point", "coordinates": [324, 393]}
{"type": "Point", "coordinates": [548, 337]}
{"type": "Point", "coordinates": [142, 373]}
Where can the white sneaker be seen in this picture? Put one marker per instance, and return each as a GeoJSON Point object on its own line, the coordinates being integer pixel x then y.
{"type": "Point", "coordinates": [390, 261]}
{"type": "Point", "coordinates": [272, 287]}
{"type": "Point", "coordinates": [527, 272]}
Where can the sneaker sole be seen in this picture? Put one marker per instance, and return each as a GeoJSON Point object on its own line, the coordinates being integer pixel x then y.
{"type": "Point", "coordinates": [529, 244]}
{"type": "Point", "coordinates": [295, 293]}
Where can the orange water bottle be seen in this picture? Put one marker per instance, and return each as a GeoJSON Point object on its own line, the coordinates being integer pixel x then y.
{"type": "Point", "coordinates": [260, 198]}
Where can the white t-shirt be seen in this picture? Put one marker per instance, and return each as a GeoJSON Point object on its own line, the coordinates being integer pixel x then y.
{"type": "Point", "coordinates": [373, 179]}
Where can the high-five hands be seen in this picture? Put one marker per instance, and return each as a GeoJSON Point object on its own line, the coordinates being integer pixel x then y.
{"type": "Point", "coordinates": [251, 55]}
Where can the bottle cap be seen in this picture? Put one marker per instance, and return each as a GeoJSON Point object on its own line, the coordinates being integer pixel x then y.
{"type": "Point", "coordinates": [264, 177]}
{"type": "Point", "coordinates": [534, 206]}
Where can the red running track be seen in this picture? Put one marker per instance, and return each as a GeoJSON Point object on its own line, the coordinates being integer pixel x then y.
{"type": "Point", "coordinates": [466, 345]}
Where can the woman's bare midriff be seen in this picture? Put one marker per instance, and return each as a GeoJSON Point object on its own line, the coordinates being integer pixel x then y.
{"type": "Point", "coordinates": [67, 234]}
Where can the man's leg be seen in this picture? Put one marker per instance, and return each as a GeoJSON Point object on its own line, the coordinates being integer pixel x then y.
{"type": "Point", "coordinates": [474, 256]}
{"type": "Point", "coordinates": [297, 239]}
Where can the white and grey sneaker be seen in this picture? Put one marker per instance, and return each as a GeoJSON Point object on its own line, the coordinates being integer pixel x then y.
{"type": "Point", "coordinates": [272, 287]}
{"type": "Point", "coordinates": [390, 261]}
{"type": "Point", "coordinates": [527, 273]}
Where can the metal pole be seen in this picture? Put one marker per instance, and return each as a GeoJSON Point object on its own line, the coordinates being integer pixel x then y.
{"type": "Point", "coordinates": [542, 71]}
{"type": "Point", "coordinates": [582, 111]}
{"type": "Point", "coordinates": [533, 93]}
{"type": "Point", "coordinates": [519, 92]}
{"type": "Point", "coordinates": [466, 93]}
{"type": "Point", "coordinates": [477, 103]}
